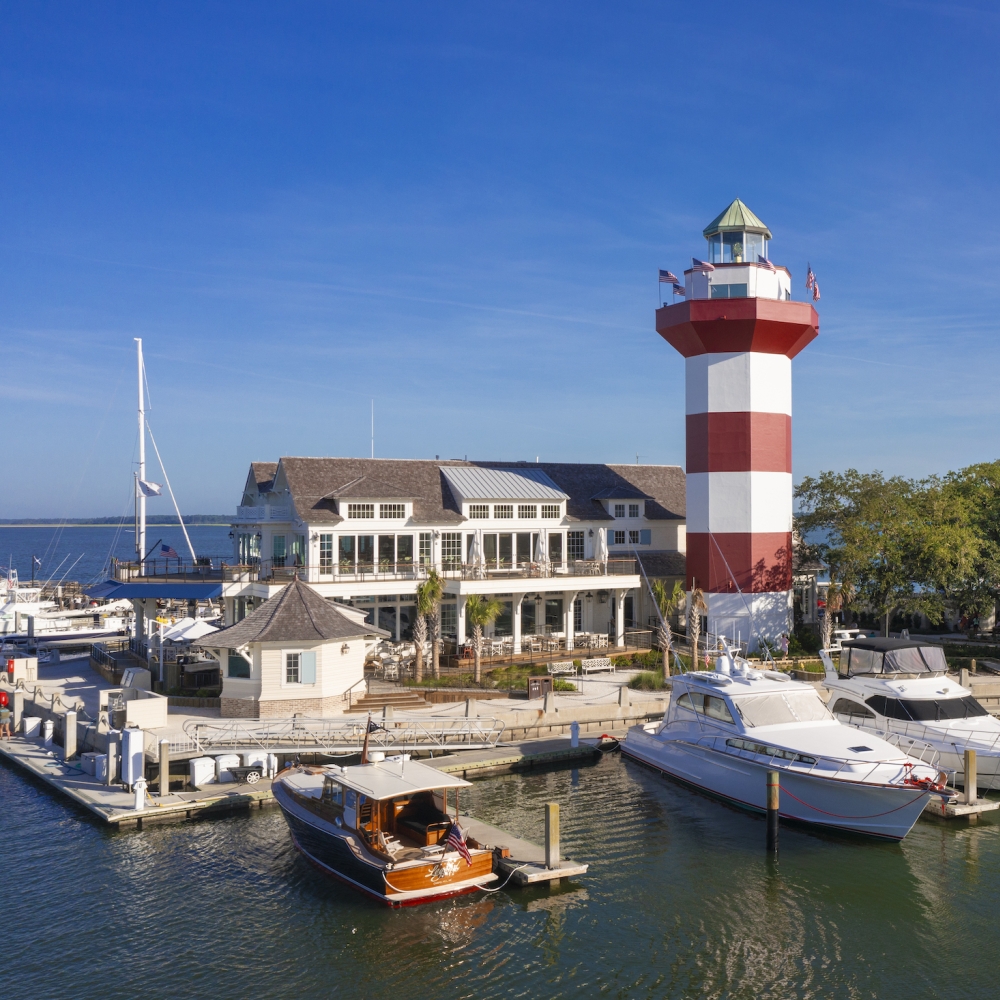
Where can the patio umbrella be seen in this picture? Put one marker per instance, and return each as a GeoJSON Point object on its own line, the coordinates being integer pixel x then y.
{"type": "Point", "coordinates": [600, 546]}
{"type": "Point", "coordinates": [476, 555]}
{"type": "Point", "coordinates": [541, 555]}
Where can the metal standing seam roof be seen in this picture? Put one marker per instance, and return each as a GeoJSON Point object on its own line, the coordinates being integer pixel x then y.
{"type": "Point", "coordinates": [474, 483]}
{"type": "Point", "coordinates": [383, 779]}
{"type": "Point", "coordinates": [736, 218]}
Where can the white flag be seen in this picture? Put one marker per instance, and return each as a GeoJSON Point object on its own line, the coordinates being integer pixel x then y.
{"type": "Point", "coordinates": [149, 489]}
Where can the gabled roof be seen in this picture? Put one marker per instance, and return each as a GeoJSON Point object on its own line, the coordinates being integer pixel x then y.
{"type": "Point", "coordinates": [370, 488]}
{"type": "Point", "coordinates": [295, 614]}
{"type": "Point", "coordinates": [736, 218]}
{"type": "Point", "coordinates": [312, 481]}
{"type": "Point", "coordinates": [263, 474]}
{"type": "Point", "coordinates": [478, 483]}
{"type": "Point", "coordinates": [620, 492]}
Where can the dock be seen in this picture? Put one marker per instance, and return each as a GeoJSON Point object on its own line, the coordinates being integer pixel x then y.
{"type": "Point", "coordinates": [936, 806]}
{"type": "Point", "coordinates": [524, 756]}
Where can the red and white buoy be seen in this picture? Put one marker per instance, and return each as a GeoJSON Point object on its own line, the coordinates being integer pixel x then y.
{"type": "Point", "coordinates": [738, 330]}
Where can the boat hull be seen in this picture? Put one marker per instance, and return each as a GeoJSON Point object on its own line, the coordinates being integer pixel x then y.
{"type": "Point", "coordinates": [340, 853]}
{"type": "Point", "coordinates": [875, 810]}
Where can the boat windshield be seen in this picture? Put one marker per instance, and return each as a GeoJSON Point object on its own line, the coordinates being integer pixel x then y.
{"type": "Point", "coordinates": [909, 660]}
{"type": "Point", "coordinates": [926, 710]}
{"type": "Point", "coordinates": [777, 708]}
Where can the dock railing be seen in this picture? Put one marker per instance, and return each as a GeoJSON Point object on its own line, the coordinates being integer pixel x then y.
{"type": "Point", "coordinates": [339, 737]}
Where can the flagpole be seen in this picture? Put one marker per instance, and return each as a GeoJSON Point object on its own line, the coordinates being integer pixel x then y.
{"type": "Point", "coordinates": [140, 497]}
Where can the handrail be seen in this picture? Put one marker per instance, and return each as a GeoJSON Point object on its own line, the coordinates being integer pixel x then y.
{"type": "Point", "coordinates": [350, 690]}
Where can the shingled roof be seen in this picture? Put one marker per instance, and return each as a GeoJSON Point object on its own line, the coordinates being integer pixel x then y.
{"type": "Point", "coordinates": [315, 483]}
{"type": "Point", "coordinates": [296, 614]}
{"type": "Point", "coordinates": [263, 474]}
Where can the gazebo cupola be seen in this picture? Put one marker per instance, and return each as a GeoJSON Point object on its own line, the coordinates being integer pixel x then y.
{"type": "Point", "coordinates": [736, 236]}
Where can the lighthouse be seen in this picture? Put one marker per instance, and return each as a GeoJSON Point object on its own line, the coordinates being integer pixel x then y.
{"type": "Point", "coordinates": [738, 330]}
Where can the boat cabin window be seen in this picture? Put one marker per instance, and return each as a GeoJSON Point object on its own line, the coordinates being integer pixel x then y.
{"type": "Point", "coordinates": [706, 704]}
{"type": "Point", "coordinates": [852, 710]}
{"type": "Point", "coordinates": [926, 710]}
{"type": "Point", "coordinates": [776, 709]}
{"type": "Point", "coordinates": [909, 660]}
{"type": "Point", "coordinates": [333, 792]}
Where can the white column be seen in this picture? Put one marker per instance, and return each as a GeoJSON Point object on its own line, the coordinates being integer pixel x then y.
{"type": "Point", "coordinates": [620, 617]}
{"type": "Point", "coordinates": [517, 622]}
{"type": "Point", "coordinates": [568, 598]}
{"type": "Point", "coordinates": [460, 616]}
{"type": "Point", "coordinates": [399, 624]}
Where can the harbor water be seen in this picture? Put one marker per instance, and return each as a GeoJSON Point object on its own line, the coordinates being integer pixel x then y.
{"type": "Point", "coordinates": [679, 901]}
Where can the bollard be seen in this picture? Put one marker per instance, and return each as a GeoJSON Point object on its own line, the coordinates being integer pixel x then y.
{"type": "Point", "coordinates": [971, 778]}
{"type": "Point", "coordinates": [48, 726]}
{"type": "Point", "coordinates": [574, 733]}
{"type": "Point", "coordinates": [972, 666]}
{"type": "Point", "coordinates": [471, 708]}
{"type": "Point", "coordinates": [624, 699]}
{"type": "Point", "coordinates": [387, 713]}
{"type": "Point", "coordinates": [18, 710]}
{"type": "Point", "coordinates": [69, 736]}
{"type": "Point", "coordinates": [140, 793]}
{"type": "Point", "coordinates": [112, 771]}
{"type": "Point", "coordinates": [963, 677]}
{"type": "Point", "coordinates": [551, 834]}
{"type": "Point", "coordinates": [164, 768]}
{"type": "Point", "coordinates": [773, 800]}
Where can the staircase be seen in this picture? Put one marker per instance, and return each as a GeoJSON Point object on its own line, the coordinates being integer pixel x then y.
{"type": "Point", "coordinates": [399, 699]}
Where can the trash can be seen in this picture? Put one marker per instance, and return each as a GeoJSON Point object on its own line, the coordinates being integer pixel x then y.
{"type": "Point", "coordinates": [201, 771]}
{"type": "Point", "coordinates": [539, 687]}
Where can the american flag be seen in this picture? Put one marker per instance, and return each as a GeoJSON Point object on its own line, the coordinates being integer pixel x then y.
{"type": "Point", "coordinates": [815, 290]}
{"type": "Point", "coordinates": [810, 279]}
{"type": "Point", "coordinates": [764, 263]}
{"type": "Point", "coordinates": [456, 841]}
{"type": "Point", "coordinates": [679, 290]}
{"type": "Point", "coordinates": [701, 265]}
{"type": "Point", "coordinates": [168, 552]}
{"type": "Point", "coordinates": [668, 277]}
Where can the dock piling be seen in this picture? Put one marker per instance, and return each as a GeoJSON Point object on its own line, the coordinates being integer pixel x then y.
{"type": "Point", "coordinates": [574, 734]}
{"type": "Point", "coordinates": [69, 736]}
{"type": "Point", "coordinates": [18, 710]}
{"type": "Point", "coordinates": [164, 768]}
{"type": "Point", "coordinates": [773, 801]}
{"type": "Point", "coordinates": [971, 778]}
{"type": "Point", "coordinates": [551, 835]}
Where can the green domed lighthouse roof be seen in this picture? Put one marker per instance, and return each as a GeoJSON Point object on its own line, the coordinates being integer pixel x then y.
{"type": "Point", "coordinates": [736, 218]}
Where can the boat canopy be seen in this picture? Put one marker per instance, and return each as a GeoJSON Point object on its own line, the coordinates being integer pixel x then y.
{"type": "Point", "coordinates": [864, 657]}
{"type": "Point", "coordinates": [391, 778]}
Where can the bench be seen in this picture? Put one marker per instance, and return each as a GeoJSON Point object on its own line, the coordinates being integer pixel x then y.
{"type": "Point", "coordinates": [597, 664]}
{"type": "Point", "coordinates": [561, 668]}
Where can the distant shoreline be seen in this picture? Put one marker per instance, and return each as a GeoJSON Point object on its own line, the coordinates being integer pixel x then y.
{"type": "Point", "coordinates": [213, 520]}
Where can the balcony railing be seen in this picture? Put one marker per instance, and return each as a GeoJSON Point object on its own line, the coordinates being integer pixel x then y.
{"type": "Point", "coordinates": [265, 512]}
{"type": "Point", "coordinates": [203, 570]}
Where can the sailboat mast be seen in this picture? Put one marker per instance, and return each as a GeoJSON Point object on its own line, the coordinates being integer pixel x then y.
{"type": "Point", "coordinates": [140, 497]}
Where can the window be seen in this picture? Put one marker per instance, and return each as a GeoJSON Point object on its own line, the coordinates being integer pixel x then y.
{"type": "Point", "coordinates": [238, 666]}
{"type": "Point", "coordinates": [777, 709]}
{"type": "Point", "coordinates": [910, 710]}
{"type": "Point", "coordinates": [366, 551]}
{"type": "Point", "coordinates": [852, 710]}
{"type": "Point", "coordinates": [426, 555]}
{"type": "Point", "coordinates": [578, 615]}
{"type": "Point", "coordinates": [451, 548]}
{"type": "Point", "coordinates": [503, 510]}
{"type": "Point", "coordinates": [706, 704]}
{"type": "Point", "coordinates": [738, 291]}
{"type": "Point", "coordinates": [525, 550]}
{"type": "Point", "coordinates": [278, 550]}
{"type": "Point", "coordinates": [527, 510]}
{"type": "Point", "coordinates": [386, 551]}
{"type": "Point", "coordinates": [574, 544]}
{"type": "Point", "coordinates": [361, 510]}
{"type": "Point", "coordinates": [618, 539]}
{"type": "Point", "coordinates": [763, 750]}
{"type": "Point", "coordinates": [291, 668]}
{"type": "Point", "coordinates": [550, 510]}
{"type": "Point", "coordinates": [555, 547]}
{"type": "Point", "coordinates": [505, 550]}
{"type": "Point", "coordinates": [449, 619]}
{"type": "Point", "coordinates": [404, 550]}
{"type": "Point", "coordinates": [619, 510]}
{"type": "Point", "coordinates": [633, 510]}
{"type": "Point", "coordinates": [392, 511]}
{"type": "Point", "coordinates": [346, 553]}
{"type": "Point", "coordinates": [554, 614]}
{"type": "Point", "coordinates": [298, 550]}
{"type": "Point", "coordinates": [479, 510]}
{"type": "Point", "coordinates": [326, 553]}
{"type": "Point", "coordinates": [633, 537]}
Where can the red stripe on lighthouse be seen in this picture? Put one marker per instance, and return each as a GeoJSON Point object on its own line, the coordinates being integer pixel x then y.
{"type": "Point", "coordinates": [761, 562]}
{"type": "Point", "coordinates": [739, 442]}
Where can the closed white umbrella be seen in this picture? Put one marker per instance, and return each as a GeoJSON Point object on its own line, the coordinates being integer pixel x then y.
{"type": "Point", "coordinates": [541, 553]}
{"type": "Point", "coordinates": [600, 546]}
{"type": "Point", "coordinates": [476, 555]}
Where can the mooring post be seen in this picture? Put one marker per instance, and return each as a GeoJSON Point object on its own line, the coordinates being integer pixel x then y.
{"type": "Point", "coordinates": [551, 834]}
{"type": "Point", "coordinates": [164, 768]}
{"type": "Point", "coordinates": [69, 736]}
{"type": "Point", "coordinates": [773, 798]}
{"type": "Point", "coordinates": [18, 709]}
{"type": "Point", "coordinates": [971, 778]}
{"type": "Point", "coordinates": [574, 733]}
{"type": "Point", "coordinates": [112, 761]}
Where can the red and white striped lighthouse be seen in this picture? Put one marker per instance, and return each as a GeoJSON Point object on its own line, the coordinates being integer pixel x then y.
{"type": "Point", "coordinates": [738, 330]}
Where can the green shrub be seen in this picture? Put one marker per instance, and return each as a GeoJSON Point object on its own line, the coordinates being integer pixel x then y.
{"type": "Point", "coordinates": [647, 681]}
{"type": "Point", "coordinates": [578, 664]}
{"type": "Point", "coordinates": [560, 685]}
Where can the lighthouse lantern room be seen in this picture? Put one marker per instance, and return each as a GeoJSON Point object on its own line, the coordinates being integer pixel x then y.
{"type": "Point", "coordinates": [738, 330]}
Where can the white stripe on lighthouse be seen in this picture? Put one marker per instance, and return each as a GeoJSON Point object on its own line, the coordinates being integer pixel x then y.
{"type": "Point", "coordinates": [717, 383]}
{"type": "Point", "coordinates": [744, 502]}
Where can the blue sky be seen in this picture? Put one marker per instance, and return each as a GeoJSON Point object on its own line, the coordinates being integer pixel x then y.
{"type": "Point", "coordinates": [459, 210]}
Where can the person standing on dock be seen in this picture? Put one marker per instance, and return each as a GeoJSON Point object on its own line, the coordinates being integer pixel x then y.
{"type": "Point", "coordinates": [5, 714]}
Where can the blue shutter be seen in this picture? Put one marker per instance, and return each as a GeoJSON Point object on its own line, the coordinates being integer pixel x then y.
{"type": "Point", "coordinates": [307, 666]}
{"type": "Point", "coordinates": [645, 536]}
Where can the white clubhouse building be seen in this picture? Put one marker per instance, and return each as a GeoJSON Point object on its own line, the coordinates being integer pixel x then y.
{"type": "Point", "coordinates": [558, 544]}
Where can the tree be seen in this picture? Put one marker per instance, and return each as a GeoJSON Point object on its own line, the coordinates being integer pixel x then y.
{"type": "Point", "coordinates": [667, 604]}
{"type": "Point", "coordinates": [480, 612]}
{"type": "Point", "coordinates": [834, 602]}
{"type": "Point", "coordinates": [879, 537]}
{"type": "Point", "coordinates": [698, 608]}
{"type": "Point", "coordinates": [425, 606]}
{"type": "Point", "coordinates": [433, 589]}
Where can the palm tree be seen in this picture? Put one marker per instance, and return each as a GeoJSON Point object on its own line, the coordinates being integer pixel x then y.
{"type": "Point", "coordinates": [668, 604]}
{"type": "Point", "coordinates": [834, 602]}
{"type": "Point", "coordinates": [425, 606]}
{"type": "Point", "coordinates": [480, 612]}
{"type": "Point", "coordinates": [698, 608]}
{"type": "Point", "coordinates": [433, 588]}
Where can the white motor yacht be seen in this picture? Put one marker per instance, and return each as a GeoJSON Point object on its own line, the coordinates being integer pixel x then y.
{"type": "Point", "coordinates": [725, 729]}
{"type": "Point", "coordinates": [897, 689]}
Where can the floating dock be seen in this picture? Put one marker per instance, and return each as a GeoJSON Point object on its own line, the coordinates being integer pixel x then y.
{"type": "Point", "coordinates": [936, 806]}
{"type": "Point", "coordinates": [525, 756]}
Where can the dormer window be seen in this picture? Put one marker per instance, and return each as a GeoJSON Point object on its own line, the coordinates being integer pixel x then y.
{"type": "Point", "coordinates": [550, 510]}
{"type": "Point", "coordinates": [360, 510]}
{"type": "Point", "coordinates": [633, 510]}
{"type": "Point", "coordinates": [528, 511]}
{"type": "Point", "coordinates": [479, 510]}
{"type": "Point", "coordinates": [619, 510]}
{"type": "Point", "coordinates": [392, 511]}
